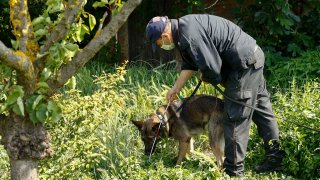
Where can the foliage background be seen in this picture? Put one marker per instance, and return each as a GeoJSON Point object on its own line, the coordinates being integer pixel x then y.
{"type": "Point", "coordinates": [96, 140]}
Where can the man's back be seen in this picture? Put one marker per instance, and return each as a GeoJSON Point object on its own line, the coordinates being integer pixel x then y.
{"type": "Point", "coordinates": [213, 32]}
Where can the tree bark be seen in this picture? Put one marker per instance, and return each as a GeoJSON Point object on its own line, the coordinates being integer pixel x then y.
{"type": "Point", "coordinates": [25, 143]}
{"type": "Point", "coordinates": [23, 169]}
{"type": "Point", "coordinates": [123, 40]}
{"type": "Point", "coordinates": [25, 140]}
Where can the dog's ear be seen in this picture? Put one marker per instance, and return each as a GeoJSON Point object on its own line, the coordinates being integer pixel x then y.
{"type": "Point", "coordinates": [138, 124]}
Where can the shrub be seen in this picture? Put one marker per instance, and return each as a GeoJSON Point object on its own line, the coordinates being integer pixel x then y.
{"type": "Point", "coordinates": [301, 145]}
{"type": "Point", "coordinates": [280, 71]}
{"type": "Point", "coordinates": [96, 140]}
{"type": "Point", "coordinates": [81, 139]}
{"type": "Point", "coordinates": [4, 165]}
{"type": "Point", "coordinates": [282, 26]}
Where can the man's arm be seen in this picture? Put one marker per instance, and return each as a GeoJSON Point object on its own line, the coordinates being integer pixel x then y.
{"type": "Point", "coordinates": [185, 75]}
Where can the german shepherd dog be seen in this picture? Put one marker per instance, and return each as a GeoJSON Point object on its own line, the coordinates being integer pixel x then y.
{"type": "Point", "coordinates": [196, 112]}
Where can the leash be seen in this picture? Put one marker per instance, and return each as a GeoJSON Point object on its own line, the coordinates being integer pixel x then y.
{"type": "Point", "coordinates": [162, 122]}
{"type": "Point", "coordinates": [243, 104]}
{"type": "Point", "coordinates": [184, 100]}
{"type": "Point", "coordinates": [260, 110]}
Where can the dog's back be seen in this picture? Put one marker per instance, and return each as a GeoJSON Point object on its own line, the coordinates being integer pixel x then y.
{"type": "Point", "coordinates": [199, 110]}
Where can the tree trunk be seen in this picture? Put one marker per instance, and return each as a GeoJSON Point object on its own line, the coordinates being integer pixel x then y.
{"type": "Point", "coordinates": [23, 169]}
{"type": "Point", "coordinates": [123, 40]}
{"type": "Point", "coordinates": [25, 143]}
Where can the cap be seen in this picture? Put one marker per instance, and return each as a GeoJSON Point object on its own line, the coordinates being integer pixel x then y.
{"type": "Point", "coordinates": [155, 28]}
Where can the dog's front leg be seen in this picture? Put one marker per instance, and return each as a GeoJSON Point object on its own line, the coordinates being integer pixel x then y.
{"type": "Point", "coordinates": [183, 148]}
{"type": "Point", "coordinates": [191, 146]}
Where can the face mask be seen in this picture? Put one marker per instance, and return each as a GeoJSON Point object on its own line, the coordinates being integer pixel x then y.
{"type": "Point", "coordinates": [167, 46]}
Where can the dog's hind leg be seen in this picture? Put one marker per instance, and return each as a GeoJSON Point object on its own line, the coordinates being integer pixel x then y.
{"type": "Point", "coordinates": [218, 153]}
{"type": "Point", "coordinates": [216, 138]}
{"type": "Point", "coordinates": [183, 148]}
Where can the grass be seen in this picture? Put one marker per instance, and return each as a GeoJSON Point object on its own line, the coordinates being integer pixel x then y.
{"type": "Point", "coordinates": [96, 139]}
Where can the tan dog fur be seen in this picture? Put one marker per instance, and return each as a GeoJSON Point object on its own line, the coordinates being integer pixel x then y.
{"type": "Point", "coordinates": [191, 120]}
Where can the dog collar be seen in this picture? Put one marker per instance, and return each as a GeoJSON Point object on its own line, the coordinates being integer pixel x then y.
{"type": "Point", "coordinates": [162, 119]}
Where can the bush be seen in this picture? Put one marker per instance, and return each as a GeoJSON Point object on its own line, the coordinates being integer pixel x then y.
{"type": "Point", "coordinates": [4, 164]}
{"type": "Point", "coordinates": [84, 137]}
{"type": "Point", "coordinates": [96, 140]}
{"type": "Point", "coordinates": [282, 26]}
{"type": "Point", "coordinates": [302, 146]}
{"type": "Point", "coordinates": [280, 71]}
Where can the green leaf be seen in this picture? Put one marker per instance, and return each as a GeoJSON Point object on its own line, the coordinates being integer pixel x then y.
{"type": "Point", "coordinates": [15, 94]}
{"type": "Point", "coordinates": [71, 83]}
{"type": "Point", "coordinates": [45, 74]}
{"type": "Point", "coordinates": [41, 32]}
{"type": "Point", "coordinates": [42, 85]}
{"type": "Point", "coordinates": [81, 31]}
{"type": "Point", "coordinates": [42, 113]}
{"type": "Point", "coordinates": [92, 21]}
{"type": "Point", "coordinates": [55, 110]}
{"type": "Point", "coordinates": [29, 103]}
{"type": "Point", "coordinates": [62, 52]}
{"type": "Point", "coordinates": [32, 116]}
{"type": "Point", "coordinates": [55, 7]}
{"type": "Point", "coordinates": [71, 47]}
{"type": "Point", "coordinates": [15, 44]}
{"type": "Point", "coordinates": [294, 17]}
{"type": "Point", "coordinates": [37, 100]}
{"type": "Point", "coordinates": [84, 30]}
{"type": "Point", "coordinates": [42, 55]}
{"type": "Point", "coordinates": [21, 106]}
{"type": "Point", "coordinates": [78, 33]}
{"type": "Point", "coordinates": [98, 4]}
{"type": "Point", "coordinates": [38, 20]}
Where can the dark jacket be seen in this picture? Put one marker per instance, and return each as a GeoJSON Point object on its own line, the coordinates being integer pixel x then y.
{"type": "Point", "coordinates": [212, 44]}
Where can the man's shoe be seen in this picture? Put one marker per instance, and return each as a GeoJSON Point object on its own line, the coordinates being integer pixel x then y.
{"type": "Point", "coordinates": [271, 164]}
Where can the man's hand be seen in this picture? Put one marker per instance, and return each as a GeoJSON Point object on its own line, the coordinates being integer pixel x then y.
{"type": "Point", "coordinates": [182, 79]}
{"type": "Point", "coordinates": [172, 94]}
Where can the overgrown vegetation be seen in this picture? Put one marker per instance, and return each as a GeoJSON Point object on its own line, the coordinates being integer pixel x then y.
{"type": "Point", "coordinates": [282, 26]}
{"type": "Point", "coordinates": [96, 140]}
{"type": "Point", "coordinates": [281, 71]}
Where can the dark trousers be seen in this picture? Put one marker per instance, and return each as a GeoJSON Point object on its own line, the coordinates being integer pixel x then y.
{"type": "Point", "coordinates": [247, 86]}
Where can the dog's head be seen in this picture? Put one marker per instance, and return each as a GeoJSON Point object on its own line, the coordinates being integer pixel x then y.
{"type": "Point", "coordinates": [149, 129]}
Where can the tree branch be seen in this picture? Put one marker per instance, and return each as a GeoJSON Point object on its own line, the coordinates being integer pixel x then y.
{"type": "Point", "coordinates": [82, 57]}
{"type": "Point", "coordinates": [70, 13]}
{"type": "Point", "coordinates": [22, 64]}
{"type": "Point", "coordinates": [19, 17]}
{"type": "Point", "coordinates": [102, 21]}
{"type": "Point", "coordinates": [12, 59]}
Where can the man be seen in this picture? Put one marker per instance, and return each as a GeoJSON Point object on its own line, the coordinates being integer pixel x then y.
{"type": "Point", "coordinates": [225, 55]}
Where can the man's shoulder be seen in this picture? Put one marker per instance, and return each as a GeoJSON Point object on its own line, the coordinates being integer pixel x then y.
{"type": "Point", "coordinates": [191, 17]}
